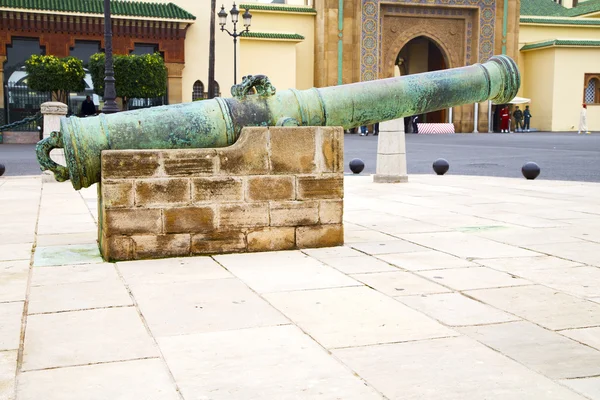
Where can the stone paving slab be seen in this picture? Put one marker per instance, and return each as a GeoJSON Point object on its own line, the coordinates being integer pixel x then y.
{"type": "Point", "coordinates": [138, 379]}
{"type": "Point", "coordinates": [455, 309]}
{"type": "Point", "coordinates": [447, 287]}
{"type": "Point", "coordinates": [473, 278]}
{"type": "Point", "coordinates": [589, 387]}
{"type": "Point", "coordinates": [8, 369]}
{"type": "Point", "coordinates": [203, 306]}
{"type": "Point", "coordinates": [283, 271]}
{"type": "Point", "coordinates": [171, 270]}
{"type": "Point", "coordinates": [260, 363]}
{"type": "Point", "coordinates": [13, 280]}
{"type": "Point", "coordinates": [425, 260]}
{"type": "Point", "coordinates": [66, 255]}
{"type": "Point", "coordinates": [542, 350]}
{"type": "Point", "coordinates": [450, 368]}
{"type": "Point", "coordinates": [85, 337]}
{"type": "Point", "coordinates": [355, 316]}
{"type": "Point", "coordinates": [400, 283]}
{"type": "Point", "coordinates": [357, 265]}
{"type": "Point", "coordinates": [11, 315]}
{"type": "Point", "coordinates": [544, 306]}
{"type": "Point", "coordinates": [588, 336]}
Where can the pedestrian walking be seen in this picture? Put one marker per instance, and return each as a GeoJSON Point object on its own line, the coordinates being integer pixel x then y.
{"type": "Point", "coordinates": [583, 120]}
{"type": "Point", "coordinates": [526, 118]}
{"type": "Point", "coordinates": [504, 120]}
{"type": "Point", "coordinates": [415, 127]}
{"type": "Point", "coordinates": [518, 116]}
{"type": "Point", "coordinates": [88, 107]}
{"type": "Point", "coordinates": [376, 129]}
{"type": "Point", "coordinates": [364, 131]}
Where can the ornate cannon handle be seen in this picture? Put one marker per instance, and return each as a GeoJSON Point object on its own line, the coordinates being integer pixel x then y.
{"type": "Point", "coordinates": [260, 83]}
{"type": "Point", "coordinates": [43, 149]}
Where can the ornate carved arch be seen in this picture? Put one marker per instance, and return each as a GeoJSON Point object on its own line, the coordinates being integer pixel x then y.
{"type": "Point", "coordinates": [400, 31]}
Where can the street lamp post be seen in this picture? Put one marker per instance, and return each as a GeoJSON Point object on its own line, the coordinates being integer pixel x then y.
{"type": "Point", "coordinates": [110, 93]}
{"type": "Point", "coordinates": [235, 13]}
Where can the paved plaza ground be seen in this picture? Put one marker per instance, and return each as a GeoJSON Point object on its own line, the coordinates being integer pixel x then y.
{"type": "Point", "coordinates": [450, 287]}
{"type": "Point", "coordinates": [562, 156]}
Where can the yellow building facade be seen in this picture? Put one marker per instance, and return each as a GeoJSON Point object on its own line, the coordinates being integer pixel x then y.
{"type": "Point", "coordinates": [280, 44]}
{"type": "Point", "coordinates": [306, 43]}
{"type": "Point", "coordinates": [559, 59]}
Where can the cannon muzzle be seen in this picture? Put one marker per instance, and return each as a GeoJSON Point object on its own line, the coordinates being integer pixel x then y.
{"type": "Point", "coordinates": [218, 122]}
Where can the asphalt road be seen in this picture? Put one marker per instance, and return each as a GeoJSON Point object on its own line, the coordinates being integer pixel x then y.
{"type": "Point", "coordinates": [561, 156]}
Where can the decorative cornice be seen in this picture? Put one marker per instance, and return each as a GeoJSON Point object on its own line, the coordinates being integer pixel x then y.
{"type": "Point", "coordinates": [561, 43]}
{"type": "Point", "coordinates": [277, 8]}
{"type": "Point", "coordinates": [54, 108]}
{"type": "Point", "coordinates": [560, 21]}
{"type": "Point", "coordinates": [273, 36]}
{"type": "Point", "coordinates": [168, 11]}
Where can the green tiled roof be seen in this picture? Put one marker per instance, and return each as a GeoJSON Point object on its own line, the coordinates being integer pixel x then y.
{"type": "Point", "coordinates": [269, 7]}
{"type": "Point", "coordinates": [542, 8]}
{"type": "Point", "coordinates": [125, 8]}
{"type": "Point", "coordinates": [558, 42]}
{"type": "Point", "coordinates": [586, 7]}
{"type": "Point", "coordinates": [561, 21]}
{"type": "Point", "coordinates": [548, 8]}
{"type": "Point", "coordinates": [265, 35]}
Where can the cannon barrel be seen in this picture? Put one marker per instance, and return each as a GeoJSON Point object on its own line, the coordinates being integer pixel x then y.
{"type": "Point", "coordinates": [218, 122]}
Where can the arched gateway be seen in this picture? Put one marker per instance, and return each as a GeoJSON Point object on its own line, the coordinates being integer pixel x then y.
{"type": "Point", "coordinates": [373, 35]}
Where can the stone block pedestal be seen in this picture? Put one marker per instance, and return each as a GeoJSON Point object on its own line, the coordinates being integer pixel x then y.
{"type": "Point", "coordinates": [274, 189]}
{"type": "Point", "coordinates": [53, 111]}
{"type": "Point", "coordinates": [391, 153]}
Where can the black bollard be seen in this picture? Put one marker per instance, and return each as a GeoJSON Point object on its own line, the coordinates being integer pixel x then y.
{"type": "Point", "coordinates": [2, 169]}
{"type": "Point", "coordinates": [357, 165]}
{"type": "Point", "coordinates": [530, 170]}
{"type": "Point", "coordinates": [441, 166]}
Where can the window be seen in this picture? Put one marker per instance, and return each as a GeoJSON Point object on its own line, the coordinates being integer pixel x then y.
{"type": "Point", "coordinates": [217, 89]}
{"type": "Point", "coordinates": [140, 49]}
{"type": "Point", "coordinates": [591, 91]}
{"type": "Point", "coordinates": [84, 50]}
{"type": "Point", "coordinates": [198, 91]}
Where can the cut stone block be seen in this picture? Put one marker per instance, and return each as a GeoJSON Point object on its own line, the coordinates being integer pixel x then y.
{"type": "Point", "coordinates": [188, 163]}
{"type": "Point", "coordinates": [217, 189]}
{"type": "Point", "coordinates": [129, 163]}
{"type": "Point", "coordinates": [154, 192]}
{"type": "Point", "coordinates": [271, 239]}
{"type": "Point", "coordinates": [319, 236]}
{"type": "Point", "coordinates": [261, 188]}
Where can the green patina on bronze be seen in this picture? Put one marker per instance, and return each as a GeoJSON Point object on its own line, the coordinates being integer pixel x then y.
{"type": "Point", "coordinates": [218, 122]}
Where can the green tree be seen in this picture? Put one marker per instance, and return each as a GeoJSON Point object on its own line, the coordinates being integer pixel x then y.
{"type": "Point", "coordinates": [135, 76]}
{"type": "Point", "coordinates": [57, 75]}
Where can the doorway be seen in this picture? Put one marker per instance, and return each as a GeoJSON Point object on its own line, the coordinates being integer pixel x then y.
{"type": "Point", "coordinates": [419, 55]}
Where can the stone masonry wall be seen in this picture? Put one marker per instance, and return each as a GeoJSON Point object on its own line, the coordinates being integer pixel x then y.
{"type": "Point", "coordinates": [274, 189]}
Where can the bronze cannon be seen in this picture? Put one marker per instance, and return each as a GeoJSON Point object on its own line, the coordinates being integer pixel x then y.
{"type": "Point", "coordinates": [218, 122]}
